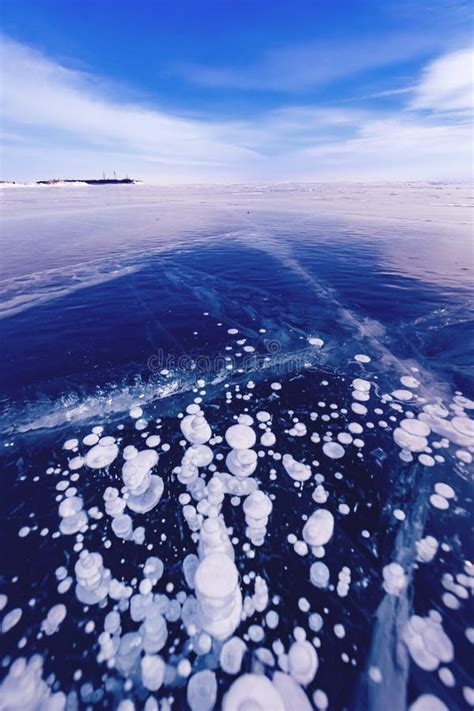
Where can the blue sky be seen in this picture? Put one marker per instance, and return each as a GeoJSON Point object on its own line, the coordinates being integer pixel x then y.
{"type": "Point", "coordinates": [237, 90]}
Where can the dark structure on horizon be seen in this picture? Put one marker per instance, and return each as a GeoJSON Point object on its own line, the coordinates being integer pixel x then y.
{"type": "Point", "coordinates": [101, 181]}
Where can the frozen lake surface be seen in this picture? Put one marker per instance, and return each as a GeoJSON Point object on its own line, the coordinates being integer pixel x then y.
{"type": "Point", "coordinates": [238, 427]}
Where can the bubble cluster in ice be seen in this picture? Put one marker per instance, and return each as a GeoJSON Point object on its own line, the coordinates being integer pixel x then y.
{"type": "Point", "coordinates": [208, 609]}
{"type": "Point", "coordinates": [73, 516]}
{"type": "Point", "coordinates": [427, 642]}
{"type": "Point", "coordinates": [144, 489]}
{"type": "Point", "coordinates": [426, 549]}
{"type": "Point", "coordinates": [218, 593]}
{"type": "Point", "coordinates": [257, 509]}
{"type": "Point", "coordinates": [92, 578]}
{"type": "Point", "coordinates": [394, 579]}
{"type": "Point", "coordinates": [24, 689]}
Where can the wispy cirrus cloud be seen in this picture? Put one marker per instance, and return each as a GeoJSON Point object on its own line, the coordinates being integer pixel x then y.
{"type": "Point", "coordinates": [62, 122]}
{"type": "Point", "coordinates": [296, 68]}
{"type": "Point", "coordinates": [310, 65]}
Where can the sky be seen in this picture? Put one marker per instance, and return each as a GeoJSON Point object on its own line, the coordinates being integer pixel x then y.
{"type": "Point", "coordinates": [214, 91]}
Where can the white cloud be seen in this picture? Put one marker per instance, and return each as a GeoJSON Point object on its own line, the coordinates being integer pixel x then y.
{"type": "Point", "coordinates": [39, 92]}
{"type": "Point", "coordinates": [398, 148]}
{"type": "Point", "coordinates": [447, 84]}
{"type": "Point", "coordinates": [64, 123]}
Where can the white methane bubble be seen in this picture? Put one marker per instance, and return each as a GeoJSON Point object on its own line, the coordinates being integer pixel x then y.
{"type": "Point", "coordinates": [428, 702]}
{"type": "Point", "coordinates": [291, 692]}
{"type": "Point", "coordinates": [319, 528]}
{"type": "Point", "coordinates": [252, 691]}
{"type": "Point", "coordinates": [101, 455]}
{"type": "Point", "coordinates": [319, 574]}
{"type": "Point", "coordinates": [333, 450]}
{"type": "Point", "coordinates": [196, 428]}
{"type": "Point", "coordinates": [54, 618]}
{"type": "Point", "coordinates": [242, 462]}
{"type": "Point", "coordinates": [302, 662]}
{"type": "Point", "coordinates": [231, 655]}
{"type": "Point", "coordinates": [296, 470]}
{"type": "Point", "coordinates": [240, 437]}
{"type": "Point", "coordinates": [202, 691]}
